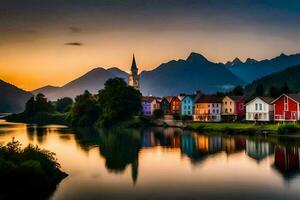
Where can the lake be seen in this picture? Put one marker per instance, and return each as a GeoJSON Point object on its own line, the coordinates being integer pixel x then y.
{"type": "Point", "coordinates": [165, 163]}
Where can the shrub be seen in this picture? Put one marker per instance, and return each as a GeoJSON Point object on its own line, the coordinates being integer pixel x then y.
{"type": "Point", "coordinates": [158, 114]}
{"type": "Point", "coordinates": [287, 128]}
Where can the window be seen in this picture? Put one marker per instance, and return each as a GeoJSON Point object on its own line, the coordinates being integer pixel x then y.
{"type": "Point", "coordinates": [213, 105]}
{"type": "Point", "coordinates": [217, 105]}
{"type": "Point", "coordinates": [260, 106]}
{"type": "Point", "coordinates": [230, 102]}
{"type": "Point", "coordinates": [230, 110]}
{"type": "Point", "coordinates": [225, 102]}
{"type": "Point", "coordinates": [241, 106]}
{"type": "Point", "coordinates": [226, 110]}
{"type": "Point", "coordinates": [256, 106]}
{"type": "Point", "coordinates": [285, 103]}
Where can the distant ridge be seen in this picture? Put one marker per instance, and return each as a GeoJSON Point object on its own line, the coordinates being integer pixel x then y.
{"type": "Point", "coordinates": [12, 98]}
{"type": "Point", "coordinates": [93, 81]}
{"type": "Point", "coordinates": [252, 69]}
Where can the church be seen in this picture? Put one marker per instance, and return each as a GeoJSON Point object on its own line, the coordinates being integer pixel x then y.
{"type": "Point", "coordinates": [133, 76]}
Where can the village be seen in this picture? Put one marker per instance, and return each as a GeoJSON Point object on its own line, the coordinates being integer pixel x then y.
{"type": "Point", "coordinates": [212, 108]}
{"type": "Point", "coordinates": [215, 108]}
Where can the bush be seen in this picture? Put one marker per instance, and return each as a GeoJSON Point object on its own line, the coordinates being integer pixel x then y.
{"type": "Point", "coordinates": [158, 114]}
{"type": "Point", "coordinates": [287, 128]}
{"type": "Point", "coordinates": [24, 169]}
{"type": "Point", "coordinates": [176, 116]}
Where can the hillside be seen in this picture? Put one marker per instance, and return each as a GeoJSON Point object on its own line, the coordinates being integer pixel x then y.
{"type": "Point", "coordinates": [194, 73]}
{"type": "Point", "coordinates": [291, 76]}
{"type": "Point", "coordinates": [93, 81]}
{"type": "Point", "coordinates": [252, 69]}
{"type": "Point", "coordinates": [12, 98]}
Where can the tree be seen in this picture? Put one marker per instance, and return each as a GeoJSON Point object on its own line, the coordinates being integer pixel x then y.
{"type": "Point", "coordinates": [64, 104]}
{"type": "Point", "coordinates": [118, 101]}
{"type": "Point", "coordinates": [274, 92]}
{"type": "Point", "coordinates": [158, 113]}
{"type": "Point", "coordinates": [85, 111]}
{"type": "Point", "coordinates": [259, 90]}
{"type": "Point", "coordinates": [37, 105]}
{"type": "Point", "coordinates": [285, 88]}
{"type": "Point", "coordinates": [238, 91]}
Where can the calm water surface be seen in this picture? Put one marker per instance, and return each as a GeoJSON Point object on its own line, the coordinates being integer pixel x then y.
{"type": "Point", "coordinates": [167, 163]}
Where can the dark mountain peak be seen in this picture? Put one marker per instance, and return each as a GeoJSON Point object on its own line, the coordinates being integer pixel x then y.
{"type": "Point", "coordinates": [234, 62]}
{"type": "Point", "coordinates": [196, 57]}
{"type": "Point", "coordinates": [283, 55]}
{"type": "Point", "coordinates": [251, 61]}
{"type": "Point", "coordinates": [237, 61]}
{"type": "Point", "coordinates": [97, 69]}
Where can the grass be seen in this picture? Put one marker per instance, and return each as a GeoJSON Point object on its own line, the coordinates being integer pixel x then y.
{"type": "Point", "coordinates": [236, 126]}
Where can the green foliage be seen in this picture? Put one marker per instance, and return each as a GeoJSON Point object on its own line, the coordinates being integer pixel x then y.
{"type": "Point", "coordinates": [31, 167]}
{"type": "Point", "coordinates": [85, 111]}
{"type": "Point", "coordinates": [260, 91]}
{"type": "Point", "coordinates": [158, 114]}
{"type": "Point", "coordinates": [38, 104]}
{"type": "Point", "coordinates": [176, 116]}
{"type": "Point", "coordinates": [118, 102]}
{"type": "Point", "coordinates": [64, 105]}
{"type": "Point", "coordinates": [287, 128]}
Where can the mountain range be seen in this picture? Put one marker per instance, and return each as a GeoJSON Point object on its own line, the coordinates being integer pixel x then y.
{"type": "Point", "coordinates": [252, 69]}
{"type": "Point", "coordinates": [171, 78]}
{"type": "Point", "coordinates": [290, 76]}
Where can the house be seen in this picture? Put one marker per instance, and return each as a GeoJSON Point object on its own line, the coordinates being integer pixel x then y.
{"type": "Point", "coordinates": [165, 105]}
{"type": "Point", "coordinates": [149, 104]}
{"type": "Point", "coordinates": [186, 105]}
{"type": "Point", "coordinates": [286, 107]}
{"type": "Point", "coordinates": [260, 109]}
{"type": "Point", "coordinates": [233, 108]}
{"type": "Point", "coordinates": [208, 108]}
{"type": "Point", "coordinates": [175, 105]}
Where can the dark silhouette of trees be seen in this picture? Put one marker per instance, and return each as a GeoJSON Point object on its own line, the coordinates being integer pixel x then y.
{"type": "Point", "coordinates": [38, 104]}
{"type": "Point", "coordinates": [85, 111]}
{"type": "Point", "coordinates": [64, 104]}
{"type": "Point", "coordinates": [260, 91]}
{"type": "Point", "coordinates": [118, 102]}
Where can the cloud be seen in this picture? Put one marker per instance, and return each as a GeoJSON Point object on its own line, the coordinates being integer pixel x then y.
{"type": "Point", "coordinates": [74, 43]}
{"type": "Point", "coordinates": [74, 29]}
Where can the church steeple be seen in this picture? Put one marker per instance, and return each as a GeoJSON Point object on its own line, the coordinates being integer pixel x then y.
{"type": "Point", "coordinates": [133, 76]}
{"type": "Point", "coordinates": [133, 65]}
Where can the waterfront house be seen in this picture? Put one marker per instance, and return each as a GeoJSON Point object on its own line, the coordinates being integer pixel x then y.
{"type": "Point", "coordinates": [233, 108]}
{"type": "Point", "coordinates": [149, 104]}
{"type": "Point", "coordinates": [186, 105]}
{"type": "Point", "coordinates": [260, 109]}
{"type": "Point", "coordinates": [208, 108]}
{"type": "Point", "coordinates": [286, 107]}
{"type": "Point", "coordinates": [165, 105]}
{"type": "Point", "coordinates": [175, 105]}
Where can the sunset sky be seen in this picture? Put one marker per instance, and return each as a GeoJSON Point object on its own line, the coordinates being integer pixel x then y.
{"type": "Point", "coordinates": [52, 42]}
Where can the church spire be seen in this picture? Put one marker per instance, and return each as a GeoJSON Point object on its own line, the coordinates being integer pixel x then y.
{"type": "Point", "coordinates": [133, 76]}
{"type": "Point", "coordinates": [133, 65]}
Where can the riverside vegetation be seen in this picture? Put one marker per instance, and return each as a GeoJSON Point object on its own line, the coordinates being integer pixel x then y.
{"type": "Point", "coordinates": [24, 169]}
{"type": "Point", "coordinates": [116, 104]}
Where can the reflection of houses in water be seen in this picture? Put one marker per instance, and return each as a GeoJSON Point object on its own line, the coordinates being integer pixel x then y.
{"type": "Point", "coordinates": [165, 137]}
{"type": "Point", "coordinates": [258, 150]}
{"type": "Point", "coordinates": [287, 161]}
{"type": "Point", "coordinates": [233, 144]}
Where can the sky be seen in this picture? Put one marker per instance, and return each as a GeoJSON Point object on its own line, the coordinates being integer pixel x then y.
{"type": "Point", "coordinates": [51, 42]}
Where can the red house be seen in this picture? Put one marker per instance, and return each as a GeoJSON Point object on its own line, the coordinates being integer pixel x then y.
{"type": "Point", "coordinates": [286, 107]}
{"type": "Point", "coordinates": [175, 105]}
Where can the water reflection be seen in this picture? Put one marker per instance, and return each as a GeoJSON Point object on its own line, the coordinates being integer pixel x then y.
{"type": "Point", "coordinates": [139, 155]}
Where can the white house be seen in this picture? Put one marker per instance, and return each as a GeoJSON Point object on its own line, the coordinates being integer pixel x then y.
{"type": "Point", "coordinates": [260, 109]}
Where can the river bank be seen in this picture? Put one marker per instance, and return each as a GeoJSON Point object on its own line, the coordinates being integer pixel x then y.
{"type": "Point", "coordinates": [232, 127]}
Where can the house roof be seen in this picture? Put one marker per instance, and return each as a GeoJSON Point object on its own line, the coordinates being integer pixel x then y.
{"type": "Point", "coordinates": [149, 98]}
{"type": "Point", "coordinates": [169, 98]}
{"type": "Point", "coordinates": [181, 97]}
{"type": "Point", "coordinates": [236, 98]}
{"type": "Point", "coordinates": [267, 100]}
{"type": "Point", "coordinates": [295, 97]}
{"type": "Point", "coordinates": [209, 99]}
